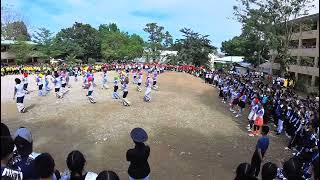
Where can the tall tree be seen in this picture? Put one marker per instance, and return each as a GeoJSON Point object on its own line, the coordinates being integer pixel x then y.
{"type": "Point", "coordinates": [168, 41]}
{"type": "Point", "coordinates": [13, 25]}
{"type": "Point", "coordinates": [271, 20]}
{"type": "Point", "coordinates": [194, 48]}
{"type": "Point", "coordinates": [80, 40]}
{"type": "Point", "coordinates": [43, 37]}
{"type": "Point", "coordinates": [22, 50]}
{"type": "Point", "coordinates": [156, 36]}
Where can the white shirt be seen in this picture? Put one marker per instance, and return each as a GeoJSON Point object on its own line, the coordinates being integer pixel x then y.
{"type": "Point", "coordinates": [57, 82]}
{"type": "Point", "coordinates": [90, 86]}
{"type": "Point", "coordinates": [19, 90]}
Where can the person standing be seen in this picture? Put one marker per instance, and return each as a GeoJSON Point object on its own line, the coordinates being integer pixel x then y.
{"type": "Point", "coordinates": [260, 151]}
{"type": "Point", "coordinates": [19, 93]}
{"type": "Point", "coordinates": [138, 156]}
{"type": "Point", "coordinates": [147, 94]}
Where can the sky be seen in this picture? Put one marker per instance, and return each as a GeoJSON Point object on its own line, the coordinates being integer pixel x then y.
{"type": "Point", "coordinates": [208, 17]}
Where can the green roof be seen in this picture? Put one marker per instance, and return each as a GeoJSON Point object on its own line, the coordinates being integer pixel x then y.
{"type": "Point", "coordinates": [9, 42]}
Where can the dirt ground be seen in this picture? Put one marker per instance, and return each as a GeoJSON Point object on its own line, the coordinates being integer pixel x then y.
{"type": "Point", "coordinates": [192, 134]}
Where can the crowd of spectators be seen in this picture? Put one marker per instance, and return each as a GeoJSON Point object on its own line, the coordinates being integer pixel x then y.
{"type": "Point", "coordinates": [18, 161]}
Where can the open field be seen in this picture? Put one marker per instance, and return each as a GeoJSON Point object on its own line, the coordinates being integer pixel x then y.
{"type": "Point", "coordinates": [192, 134]}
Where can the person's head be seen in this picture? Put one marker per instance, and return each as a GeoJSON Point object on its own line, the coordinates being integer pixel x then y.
{"type": "Point", "coordinates": [107, 175]}
{"type": "Point", "coordinates": [243, 172]}
{"type": "Point", "coordinates": [17, 80]}
{"type": "Point", "coordinates": [292, 169]}
{"type": "Point", "coordinates": [5, 130]}
{"type": "Point", "coordinates": [265, 130]}
{"type": "Point", "coordinates": [139, 135]}
{"type": "Point", "coordinates": [23, 141]}
{"type": "Point", "coordinates": [7, 146]}
{"type": "Point", "coordinates": [75, 162]}
{"type": "Point", "coordinates": [44, 166]}
{"type": "Point", "coordinates": [269, 171]}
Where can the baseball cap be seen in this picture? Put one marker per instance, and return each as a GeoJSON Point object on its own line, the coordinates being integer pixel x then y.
{"type": "Point", "coordinates": [139, 135]}
{"type": "Point", "coordinates": [23, 133]}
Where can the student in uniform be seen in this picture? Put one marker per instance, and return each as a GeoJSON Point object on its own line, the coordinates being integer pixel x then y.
{"type": "Point", "coordinates": [115, 94]}
{"type": "Point", "coordinates": [242, 103]}
{"type": "Point", "coordinates": [25, 82]}
{"type": "Point", "coordinates": [139, 168]}
{"type": "Point", "coordinates": [40, 84]}
{"type": "Point", "coordinates": [125, 87]}
{"type": "Point", "coordinates": [139, 81]}
{"type": "Point", "coordinates": [44, 167]}
{"type": "Point", "coordinates": [105, 79]}
{"type": "Point", "coordinates": [57, 84]}
{"type": "Point", "coordinates": [19, 93]}
{"type": "Point", "coordinates": [258, 122]}
{"type": "Point", "coordinates": [260, 151]}
{"type": "Point", "coordinates": [90, 90]}
{"type": "Point", "coordinates": [155, 77]}
{"type": "Point", "coordinates": [147, 94]}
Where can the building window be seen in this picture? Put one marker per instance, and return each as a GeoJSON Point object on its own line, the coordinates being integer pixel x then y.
{"type": "Point", "coordinates": [309, 25]}
{"type": "Point", "coordinates": [293, 44]}
{"type": "Point", "coordinates": [306, 79]}
{"type": "Point", "coordinates": [293, 60]}
{"type": "Point", "coordinates": [307, 61]}
{"type": "Point", "coordinates": [309, 43]}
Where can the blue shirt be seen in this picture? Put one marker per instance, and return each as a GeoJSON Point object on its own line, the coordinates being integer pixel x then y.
{"type": "Point", "coordinates": [263, 144]}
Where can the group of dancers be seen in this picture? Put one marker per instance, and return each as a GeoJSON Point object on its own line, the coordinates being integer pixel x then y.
{"type": "Point", "coordinates": [61, 81]}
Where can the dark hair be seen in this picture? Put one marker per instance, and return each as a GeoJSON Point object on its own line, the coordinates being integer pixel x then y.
{"type": "Point", "coordinates": [269, 171]}
{"type": "Point", "coordinates": [7, 146]}
{"type": "Point", "coordinates": [265, 129]}
{"type": "Point", "coordinates": [6, 178]}
{"type": "Point", "coordinates": [17, 80]}
{"type": "Point", "coordinates": [5, 130]}
{"type": "Point", "coordinates": [243, 171]}
{"type": "Point", "coordinates": [107, 175]}
{"type": "Point", "coordinates": [75, 162]}
{"type": "Point", "coordinates": [43, 165]}
{"type": "Point", "coordinates": [292, 169]}
{"type": "Point", "coordinates": [24, 147]}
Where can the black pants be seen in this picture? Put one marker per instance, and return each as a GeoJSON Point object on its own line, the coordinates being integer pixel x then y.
{"type": "Point", "coordinates": [25, 86]}
{"type": "Point", "coordinates": [115, 88]}
{"type": "Point", "coordinates": [40, 87]}
{"type": "Point", "coordinates": [125, 93]}
{"type": "Point", "coordinates": [20, 99]}
{"type": "Point", "coordinates": [154, 83]}
{"type": "Point", "coordinates": [255, 164]}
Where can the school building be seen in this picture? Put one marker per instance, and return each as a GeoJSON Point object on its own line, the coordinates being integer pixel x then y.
{"type": "Point", "coordinates": [304, 51]}
{"type": "Point", "coordinates": [9, 58]}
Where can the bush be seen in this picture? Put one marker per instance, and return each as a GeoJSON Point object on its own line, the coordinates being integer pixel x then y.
{"type": "Point", "coordinates": [91, 61]}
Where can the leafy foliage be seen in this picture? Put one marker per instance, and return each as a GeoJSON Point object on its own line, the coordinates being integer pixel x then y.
{"type": "Point", "coordinates": [22, 51]}
{"type": "Point", "coordinates": [194, 48]}
{"type": "Point", "coordinates": [14, 30]}
{"type": "Point", "coordinates": [271, 20]}
{"type": "Point", "coordinates": [43, 37]}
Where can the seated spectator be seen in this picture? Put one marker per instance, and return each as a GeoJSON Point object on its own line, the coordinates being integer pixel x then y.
{"type": "Point", "coordinates": [107, 175]}
{"type": "Point", "coordinates": [44, 167]}
{"type": "Point", "coordinates": [269, 171]}
{"type": "Point", "coordinates": [23, 157]}
{"type": "Point", "coordinates": [138, 156]}
{"type": "Point", "coordinates": [243, 172]}
{"type": "Point", "coordinates": [76, 162]}
{"type": "Point", "coordinates": [7, 146]}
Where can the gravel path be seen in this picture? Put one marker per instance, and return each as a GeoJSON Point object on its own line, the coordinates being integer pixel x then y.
{"type": "Point", "coordinates": [192, 134]}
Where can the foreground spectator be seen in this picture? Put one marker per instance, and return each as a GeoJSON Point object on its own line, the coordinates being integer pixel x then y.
{"type": "Point", "coordinates": [7, 146]}
{"type": "Point", "coordinates": [44, 167]}
{"type": "Point", "coordinates": [261, 149]}
{"type": "Point", "coordinates": [138, 156]}
{"type": "Point", "coordinates": [5, 130]}
{"type": "Point", "coordinates": [243, 172]}
{"type": "Point", "coordinates": [23, 157]}
{"type": "Point", "coordinates": [107, 175]}
{"type": "Point", "coordinates": [76, 163]}
{"type": "Point", "coordinates": [269, 171]}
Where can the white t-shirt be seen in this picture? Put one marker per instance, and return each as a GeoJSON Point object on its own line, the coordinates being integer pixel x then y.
{"type": "Point", "coordinates": [19, 90]}
{"type": "Point", "coordinates": [90, 86]}
{"type": "Point", "coordinates": [57, 82]}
